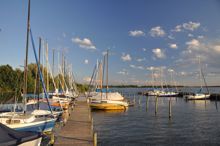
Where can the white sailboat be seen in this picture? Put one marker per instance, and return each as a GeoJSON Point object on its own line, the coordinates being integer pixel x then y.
{"type": "Point", "coordinates": [199, 95]}
{"type": "Point", "coordinates": [24, 121]}
{"type": "Point", "coordinates": [104, 100]}
{"type": "Point", "coordinates": [161, 92]}
{"type": "Point", "coordinates": [12, 137]}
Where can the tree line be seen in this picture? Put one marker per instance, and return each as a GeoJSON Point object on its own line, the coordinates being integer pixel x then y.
{"type": "Point", "coordinates": [12, 80]}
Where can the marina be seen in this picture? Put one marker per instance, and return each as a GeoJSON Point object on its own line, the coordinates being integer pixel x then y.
{"type": "Point", "coordinates": [109, 73]}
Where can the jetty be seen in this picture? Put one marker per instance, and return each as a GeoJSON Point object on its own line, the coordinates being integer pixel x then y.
{"type": "Point", "coordinates": [78, 129]}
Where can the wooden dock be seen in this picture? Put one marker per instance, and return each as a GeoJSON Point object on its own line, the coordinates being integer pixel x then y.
{"type": "Point", "coordinates": [79, 127]}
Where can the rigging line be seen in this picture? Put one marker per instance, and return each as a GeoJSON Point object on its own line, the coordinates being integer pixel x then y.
{"type": "Point", "coordinates": [39, 71]}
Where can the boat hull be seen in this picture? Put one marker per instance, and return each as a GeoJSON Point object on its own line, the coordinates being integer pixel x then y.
{"type": "Point", "coordinates": [38, 126]}
{"type": "Point", "coordinates": [107, 106]}
{"type": "Point", "coordinates": [35, 142]}
{"type": "Point", "coordinates": [197, 97]}
{"type": "Point", "coordinates": [168, 95]}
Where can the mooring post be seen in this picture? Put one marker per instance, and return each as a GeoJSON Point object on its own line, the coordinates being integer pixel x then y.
{"type": "Point", "coordinates": [146, 103]}
{"type": "Point", "coordinates": [90, 117]}
{"type": "Point", "coordinates": [170, 109]}
{"type": "Point", "coordinates": [92, 123]}
{"type": "Point", "coordinates": [139, 101]}
{"type": "Point", "coordinates": [156, 104]}
{"type": "Point", "coordinates": [134, 99]}
{"type": "Point", "coordinates": [95, 139]}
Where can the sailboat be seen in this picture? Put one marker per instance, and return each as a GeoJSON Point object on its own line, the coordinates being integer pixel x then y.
{"type": "Point", "coordinates": [12, 137]}
{"type": "Point", "coordinates": [61, 99]}
{"type": "Point", "coordinates": [24, 121]}
{"type": "Point", "coordinates": [101, 103]}
{"type": "Point", "coordinates": [161, 92]}
{"type": "Point", "coordinates": [199, 95]}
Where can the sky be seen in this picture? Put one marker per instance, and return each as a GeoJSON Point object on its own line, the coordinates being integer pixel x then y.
{"type": "Point", "coordinates": [146, 38]}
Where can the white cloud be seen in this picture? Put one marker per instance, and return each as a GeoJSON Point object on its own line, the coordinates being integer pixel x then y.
{"type": "Point", "coordinates": [157, 32]}
{"type": "Point", "coordinates": [193, 44]}
{"type": "Point", "coordinates": [178, 28]}
{"type": "Point", "coordinates": [140, 67]}
{"type": "Point", "coordinates": [186, 26]}
{"type": "Point", "coordinates": [140, 59]}
{"type": "Point", "coordinates": [190, 35]}
{"type": "Point", "coordinates": [200, 37]}
{"type": "Point", "coordinates": [159, 53]}
{"type": "Point", "coordinates": [126, 57]}
{"type": "Point", "coordinates": [132, 66]}
{"type": "Point", "coordinates": [173, 46]}
{"type": "Point", "coordinates": [86, 79]}
{"type": "Point", "coordinates": [86, 61]}
{"type": "Point", "coordinates": [123, 72]}
{"type": "Point", "coordinates": [136, 33]}
{"type": "Point", "coordinates": [136, 67]}
{"type": "Point", "coordinates": [64, 34]}
{"type": "Point", "coordinates": [144, 49]}
{"type": "Point", "coordinates": [216, 48]}
{"type": "Point", "coordinates": [150, 68]}
{"type": "Point", "coordinates": [84, 43]}
{"type": "Point", "coordinates": [191, 25]}
{"type": "Point", "coordinates": [208, 51]}
{"type": "Point", "coordinates": [171, 37]}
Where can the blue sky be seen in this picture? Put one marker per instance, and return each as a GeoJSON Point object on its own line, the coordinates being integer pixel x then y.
{"type": "Point", "coordinates": [141, 34]}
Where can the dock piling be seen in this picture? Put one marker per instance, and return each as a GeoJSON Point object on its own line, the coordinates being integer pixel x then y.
{"type": "Point", "coordinates": [170, 109]}
{"type": "Point", "coordinates": [146, 103]}
{"type": "Point", "coordinates": [92, 124]}
{"type": "Point", "coordinates": [139, 101]}
{"type": "Point", "coordinates": [95, 139]}
{"type": "Point", "coordinates": [134, 100]}
{"type": "Point", "coordinates": [156, 105]}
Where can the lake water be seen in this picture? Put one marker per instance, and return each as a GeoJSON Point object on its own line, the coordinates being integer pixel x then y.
{"type": "Point", "coordinates": [192, 123]}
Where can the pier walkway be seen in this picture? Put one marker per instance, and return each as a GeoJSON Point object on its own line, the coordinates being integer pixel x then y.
{"type": "Point", "coordinates": [78, 130]}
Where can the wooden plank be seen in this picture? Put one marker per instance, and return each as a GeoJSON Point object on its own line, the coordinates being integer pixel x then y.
{"type": "Point", "coordinates": [78, 129]}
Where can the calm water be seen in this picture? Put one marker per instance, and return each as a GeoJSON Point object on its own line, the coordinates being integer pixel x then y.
{"type": "Point", "coordinates": [192, 123]}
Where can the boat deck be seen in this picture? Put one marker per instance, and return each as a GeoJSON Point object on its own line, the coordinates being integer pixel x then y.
{"type": "Point", "coordinates": [78, 129]}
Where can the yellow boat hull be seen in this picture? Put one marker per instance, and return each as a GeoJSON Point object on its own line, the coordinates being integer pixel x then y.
{"type": "Point", "coordinates": [107, 106]}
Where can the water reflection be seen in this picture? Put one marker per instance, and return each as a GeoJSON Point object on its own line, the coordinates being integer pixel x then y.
{"type": "Point", "coordinates": [192, 123]}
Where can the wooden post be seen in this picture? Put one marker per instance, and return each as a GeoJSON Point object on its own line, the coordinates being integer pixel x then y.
{"type": "Point", "coordinates": [139, 101]}
{"type": "Point", "coordinates": [170, 109]}
{"type": "Point", "coordinates": [156, 105]}
{"type": "Point", "coordinates": [92, 124]}
{"type": "Point", "coordinates": [146, 103]}
{"type": "Point", "coordinates": [134, 99]}
{"type": "Point", "coordinates": [95, 139]}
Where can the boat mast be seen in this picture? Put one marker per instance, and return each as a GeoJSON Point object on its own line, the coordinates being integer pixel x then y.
{"type": "Point", "coordinates": [200, 72]}
{"type": "Point", "coordinates": [47, 67]}
{"type": "Point", "coordinates": [26, 58]}
{"type": "Point", "coordinates": [38, 77]}
{"type": "Point", "coordinates": [53, 62]}
{"type": "Point", "coordinates": [43, 49]}
{"type": "Point", "coordinates": [161, 77]}
{"type": "Point", "coordinates": [91, 80]}
{"type": "Point", "coordinates": [152, 75]}
{"type": "Point", "coordinates": [107, 75]}
{"type": "Point", "coordinates": [101, 79]}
